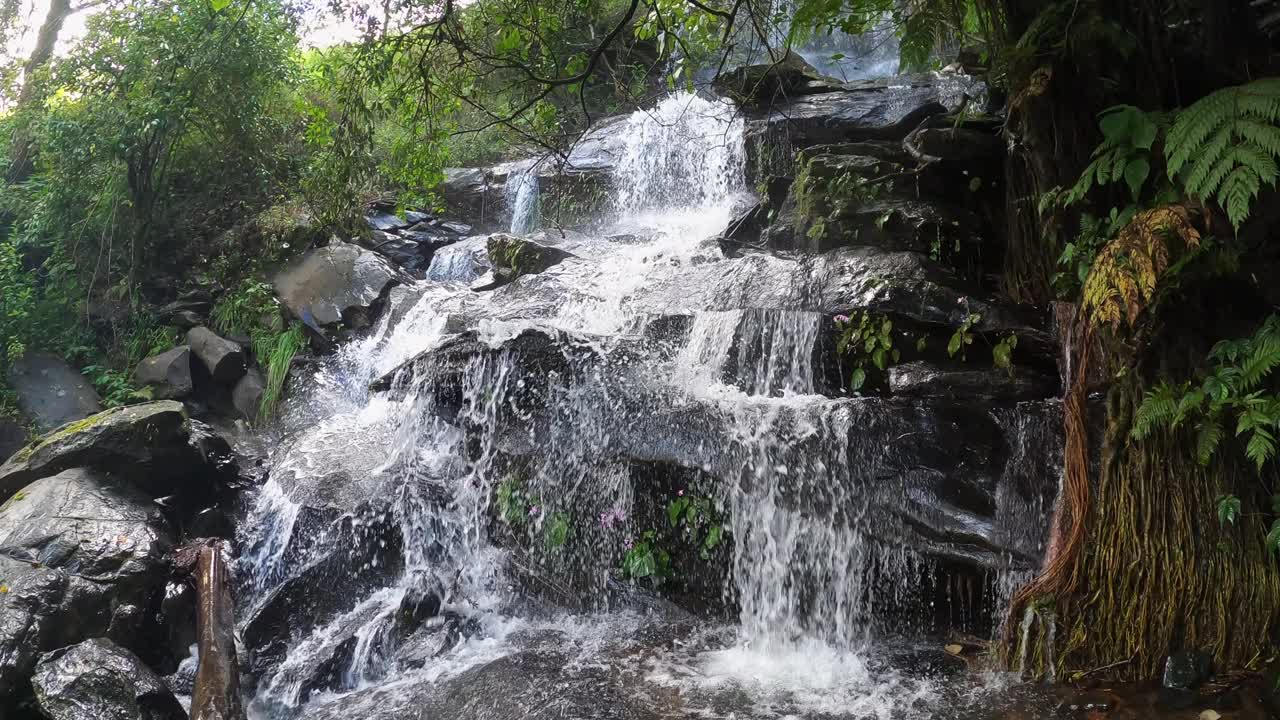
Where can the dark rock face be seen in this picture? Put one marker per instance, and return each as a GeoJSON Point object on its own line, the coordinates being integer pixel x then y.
{"type": "Point", "coordinates": [987, 385]}
{"type": "Point", "coordinates": [51, 392]}
{"type": "Point", "coordinates": [337, 283]}
{"type": "Point", "coordinates": [167, 374]}
{"type": "Point", "coordinates": [358, 553]}
{"type": "Point", "coordinates": [82, 557]}
{"type": "Point", "coordinates": [223, 358]}
{"type": "Point", "coordinates": [136, 438]}
{"type": "Point", "coordinates": [247, 394]}
{"type": "Point", "coordinates": [97, 680]}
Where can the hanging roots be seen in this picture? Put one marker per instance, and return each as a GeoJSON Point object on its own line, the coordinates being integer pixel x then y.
{"type": "Point", "coordinates": [1144, 569]}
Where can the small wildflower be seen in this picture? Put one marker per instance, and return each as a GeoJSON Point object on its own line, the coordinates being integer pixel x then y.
{"type": "Point", "coordinates": [679, 493]}
{"type": "Point", "coordinates": [611, 517]}
{"type": "Point", "coordinates": [627, 544]}
{"type": "Point", "coordinates": [842, 319]}
{"type": "Point", "coordinates": [534, 510]}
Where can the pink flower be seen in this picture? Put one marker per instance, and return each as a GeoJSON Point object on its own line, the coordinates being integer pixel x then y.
{"type": "Point", "coordinates": [534, 510]}
{"type": "Point", "coordinates": [611, 517]}
{"type": "Point", "coordinates": [842, 319]}
{"type": "Point", "coordinates": [679, 493]}
{"type": "Point", "coordinates": [627, 544]}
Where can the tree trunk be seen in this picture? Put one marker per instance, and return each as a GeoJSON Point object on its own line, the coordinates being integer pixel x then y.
{"type": "Point", "coordinates": [217, 687]}
{"type": "Point", "coordinates": [21, 163]}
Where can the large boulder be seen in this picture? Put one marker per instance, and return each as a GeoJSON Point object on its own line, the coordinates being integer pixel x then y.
{"type": "Point", "coordinates": [759, 85]}
{"type": "Point", "coordinates": [340, 283]}
{"type": "Point", "coordinates": [81, 556]}
{"type": "Point", "coordinates": [129, 438]}
{"type": "Point", "coordinates": [50, 391]}
{"type": "Point", "coordinates": [247, 394]}
{"type": "Point", "coordinates": [167, 374]}
{"type": "Point", "coordinates": [98, 680]}
{"type": "Point", "coordinates": [153, 446]}
{"type": "Point", "coordinates": [222, 358]}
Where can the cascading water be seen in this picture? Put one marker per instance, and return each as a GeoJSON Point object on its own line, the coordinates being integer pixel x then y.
{"type": "Point", "coordinates": [522, 196]}
{"type": "Point", "coordinates": [374, 544]}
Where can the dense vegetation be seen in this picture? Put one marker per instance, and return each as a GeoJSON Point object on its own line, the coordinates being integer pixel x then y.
{"type": "Point", "coordinates": [1141, 184]}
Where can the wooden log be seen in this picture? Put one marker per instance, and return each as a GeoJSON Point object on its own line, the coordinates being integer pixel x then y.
{"type": "Point", "coordinates": [217, 688]}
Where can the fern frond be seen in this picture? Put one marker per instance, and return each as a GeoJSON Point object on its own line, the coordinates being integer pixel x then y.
{"type": "Point", "coordinates": [1261, 447]}
{"type": "Point", "coordinates": [1208, 438]}
{"type": "Point", "coordinates": [1232, 135]}
{"type": "Point", "coordinates": [1158, 409]}
{"type": "Point", "coordinates": [1264, 358]}
{"type": "Point", "coordinates": [1124, 277]}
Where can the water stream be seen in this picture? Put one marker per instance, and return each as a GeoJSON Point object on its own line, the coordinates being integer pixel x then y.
{"type": "Point", "coordinates": [373, 540]}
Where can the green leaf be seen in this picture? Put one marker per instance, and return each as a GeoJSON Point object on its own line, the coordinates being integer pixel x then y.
{"type": "Point", "coordinates": [858, 379]}
{"type": "Point", "coordinates": [957, 340]}
{"type": "Point", "coordinates": [1228, 509]}
{"type": "Point", "coordinates": [220, 5]}
{"type": "Point", "coordinates": [1135, 174]}
{"type": "Point", "coordinates": [1273, 537]}
{"type": "Point", "coordinates": [713, 537]}
{"type": "Point", "coordinates": [675, 509]}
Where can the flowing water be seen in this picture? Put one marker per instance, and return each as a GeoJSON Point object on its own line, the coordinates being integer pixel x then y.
{"type": "Point", "coordinates": [377, 504]}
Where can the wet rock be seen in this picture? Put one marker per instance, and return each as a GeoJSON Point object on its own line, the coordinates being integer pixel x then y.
{"type": "Point", "coordinates": [386, 221]}
{"type": "Point", "coordinates": [829, 207]}
{"type": "Point", "coordinates": [766, 83]}
{"type": "Point", "coordinates": [167, 374]}
{"type": "Point", "coordinates": [464, 261]}
{"type": "Point", "coordinates": [126, 438]}
{"type": "Point", "coordinates": [514, 686]}
{"type": "Point", "coordinates": [542, 353]}
{"type": "Point", "coordinates": [357, 555]}
{"type": "Point", "coordinates": [80, 555]}
{"type": "Point", "coordinates": [247, 394]}
{"type": "Point", "coordinates": [853, 112]}
{"type": "Point", "coordinates": [50, 391]}
{"type": "Point", "coordinates": [959, 149]}
{"type": "Point", "coordinates": [337, 283]}
{"type": "Point", "coordinates": [512, 257]}
{"type": "Point", "coordinates": [988, 385]}
{"type": "Point", "coordinates": [97, 680]}
{"type": "Point", "coordinates": [467, 193]}
{"type": "Point", "coordinates": [1184, 673]}
{"type": "Point", "coordinates": [225, 360]}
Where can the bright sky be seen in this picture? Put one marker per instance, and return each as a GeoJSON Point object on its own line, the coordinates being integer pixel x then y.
{"type": "Point", "coordinates": [322, 32]}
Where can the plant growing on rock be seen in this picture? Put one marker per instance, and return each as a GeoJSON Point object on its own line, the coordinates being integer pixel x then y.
{"type": "Point", "coordinates": [867, 339]}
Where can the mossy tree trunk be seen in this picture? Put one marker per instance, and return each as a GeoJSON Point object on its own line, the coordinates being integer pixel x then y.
{"type": "Point", "coordinates": [1142, 568]}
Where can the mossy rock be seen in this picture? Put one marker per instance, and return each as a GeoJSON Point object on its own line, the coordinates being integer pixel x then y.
{"type": "Point", "coordinates": [513, 257]}
{"type": "Point", "coordinates": [128, 439]}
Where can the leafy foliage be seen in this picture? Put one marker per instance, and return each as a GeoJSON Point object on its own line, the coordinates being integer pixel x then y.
{"type": "Point", "coordinates": [962, 338]}
{"type": "Point", "coordinates": [1225, 146]}
{"type": "Point", "coordinates": [1232, 387]}
{"type": "Point", "coordinates": [867, 339]}
{"type": "Point", "coordinates": [1123, 280]}
{"type": "Point", "coordinates": [1125, 153]}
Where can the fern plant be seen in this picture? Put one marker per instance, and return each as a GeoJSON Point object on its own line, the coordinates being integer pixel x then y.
{"type": "Point", "coordinates": [1225, 146]}
{"type": "Point", "coordinates": [1233, 387]}
{"type": "Point", "coordinates": [1123, 280]}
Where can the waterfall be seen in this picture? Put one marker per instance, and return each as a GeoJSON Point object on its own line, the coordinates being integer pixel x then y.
{"type": "Point", "coordinates": [661, 369]}
{"type": "Point", "coordinates": [522, 197]}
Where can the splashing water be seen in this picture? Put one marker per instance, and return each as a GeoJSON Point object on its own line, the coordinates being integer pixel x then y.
{"type": "Point", "coordinates": [382, 504]}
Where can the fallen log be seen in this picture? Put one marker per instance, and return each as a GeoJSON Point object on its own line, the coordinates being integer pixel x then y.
{"type": "Point", "coordinates": [217, 687]}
